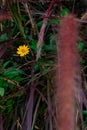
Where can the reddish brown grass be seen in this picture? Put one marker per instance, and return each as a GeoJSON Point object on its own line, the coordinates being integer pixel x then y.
{"type": "Point", "coordinates": [68, 66]}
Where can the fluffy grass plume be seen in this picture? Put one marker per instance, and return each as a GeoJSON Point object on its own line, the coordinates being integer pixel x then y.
{"type": "Point", "coordinates": [67, 70]}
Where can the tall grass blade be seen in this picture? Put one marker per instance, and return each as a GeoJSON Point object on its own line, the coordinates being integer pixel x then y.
{"type": "Point", "coordinates": [16, 17]}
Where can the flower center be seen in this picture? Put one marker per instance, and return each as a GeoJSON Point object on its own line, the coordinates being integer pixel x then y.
{"type": "Point", "coordinates": [23, 50]}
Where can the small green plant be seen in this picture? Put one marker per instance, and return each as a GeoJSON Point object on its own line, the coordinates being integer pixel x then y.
{"type": "Point", "coordinates": [10, 77]}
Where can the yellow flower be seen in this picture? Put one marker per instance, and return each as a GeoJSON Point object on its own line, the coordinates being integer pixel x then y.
{"type": "Point", "coordinates": [23, 50]}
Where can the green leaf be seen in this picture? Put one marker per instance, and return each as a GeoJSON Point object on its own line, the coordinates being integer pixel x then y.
{"type": "Point", "coordinates": [11, 86]}
{"type": "Point", "coordinates": [81, 46]}
{"type": "Point", "coordinates": [84, 112]}
{"type": "Point", "coordinates": [39, 24]}
{"type": "Point", "coordinates": [37, 67]}
{"type": "Point", "coordinates": [11, 73]}
{"type": "Point", "coordinates": [9, 105]}
{"type": "Point", "coordinates": [18, 79]}
{"type": "Point", "coordinates": [64, 12]}
{"type": "Point", "coordinates": [9, 102]}
{"type": "Point", "coordinates": [3, 37]}
{"type": "Point", "coordinates": [34, 45]}
{"type": "Point", "coordinates": [2, 91]}
{"type": "Point", "coordinates": [6, 64]}
{"type": "Point", "coordinates": [51, 46]}
{"type": "Point", "coordinates": [5, 84]}
{"type": "Point", "coordinates": [55, 21]}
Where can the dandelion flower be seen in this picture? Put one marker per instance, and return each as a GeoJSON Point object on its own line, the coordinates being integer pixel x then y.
{"type": "Point", "coordinates": [23, 50]}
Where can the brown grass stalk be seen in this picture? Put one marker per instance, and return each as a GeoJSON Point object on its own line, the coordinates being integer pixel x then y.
{"type": "Point", "coordinates": [42, 30]}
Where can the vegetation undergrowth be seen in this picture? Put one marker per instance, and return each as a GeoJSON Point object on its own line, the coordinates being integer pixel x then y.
{"type": "Point", "coordinates": [28, 61]}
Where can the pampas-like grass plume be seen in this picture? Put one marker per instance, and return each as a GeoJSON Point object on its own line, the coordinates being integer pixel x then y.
{"type": "Point", "coordinates": [67, 70]}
